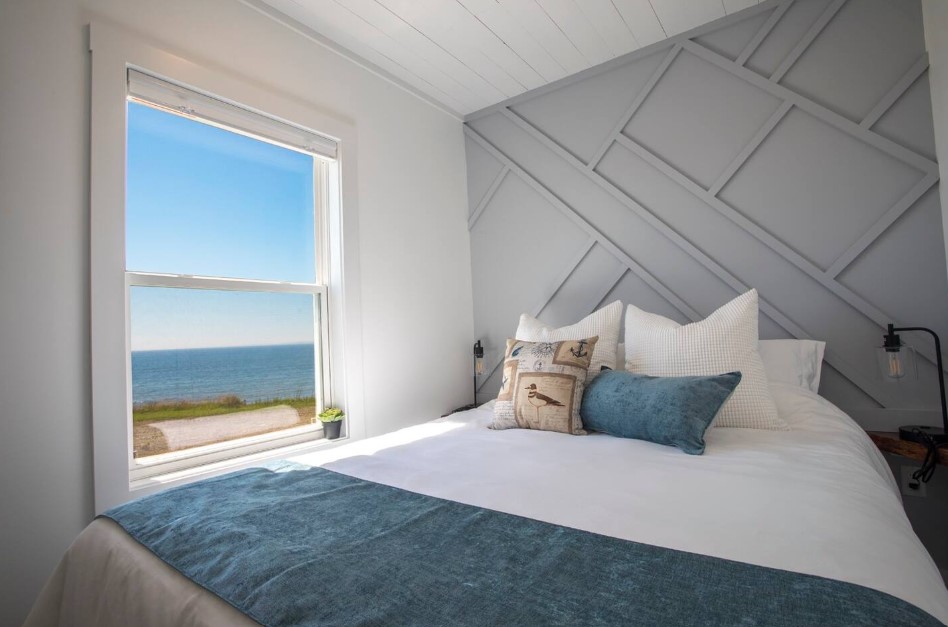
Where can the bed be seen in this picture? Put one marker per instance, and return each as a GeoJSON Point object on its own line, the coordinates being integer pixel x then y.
{"type": "Point", "coordinates": [818, 500]}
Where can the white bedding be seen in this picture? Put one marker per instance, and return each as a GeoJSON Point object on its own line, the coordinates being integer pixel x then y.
{"type": "Point", "coordinates": [818, 499]}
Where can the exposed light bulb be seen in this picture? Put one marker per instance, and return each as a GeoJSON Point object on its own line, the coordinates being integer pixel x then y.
{"type": "Point", "coordinates": [896, 367]}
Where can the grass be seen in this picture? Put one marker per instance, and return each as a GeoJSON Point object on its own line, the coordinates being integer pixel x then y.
{"type": "Point", "coordinates": [230, 404]}
{"type": "Point", "coordinates": [149, 440]}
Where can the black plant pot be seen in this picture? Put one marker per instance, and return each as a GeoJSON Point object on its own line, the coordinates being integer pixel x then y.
{"type": "Point", "coordinates": [331, 429]}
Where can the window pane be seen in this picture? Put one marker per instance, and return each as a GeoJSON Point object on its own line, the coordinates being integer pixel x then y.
{"type": "Point", "coordinates": [211, 366]}
{"type": "Point", "coordinates": [209, 202]}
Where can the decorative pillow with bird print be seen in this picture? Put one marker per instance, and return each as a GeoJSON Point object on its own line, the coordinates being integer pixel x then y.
{"type": "Point", "coordinates": [542, 385]}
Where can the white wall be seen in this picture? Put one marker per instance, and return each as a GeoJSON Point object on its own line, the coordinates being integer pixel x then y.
{"type": "Point", "coordinates": [415, 259]}
{"type": "Point", "coordinates": [936, 41]}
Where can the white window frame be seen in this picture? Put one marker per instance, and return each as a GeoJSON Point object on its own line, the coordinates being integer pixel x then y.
{"type": "Point", "coordinates": [118, 476]}
{"type": "Point", "coordinates": [141, 469]}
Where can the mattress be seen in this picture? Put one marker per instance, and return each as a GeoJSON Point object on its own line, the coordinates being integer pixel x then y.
{"type": "Point", "coordinates": [818, 499]}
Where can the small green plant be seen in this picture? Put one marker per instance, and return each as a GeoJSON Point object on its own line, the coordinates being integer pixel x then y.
{"type": "Point", "coordinates": [332, 414]}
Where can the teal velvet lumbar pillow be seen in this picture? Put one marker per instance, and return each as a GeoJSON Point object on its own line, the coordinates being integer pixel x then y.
{"type": "Point", "coordinates": [666, 410]}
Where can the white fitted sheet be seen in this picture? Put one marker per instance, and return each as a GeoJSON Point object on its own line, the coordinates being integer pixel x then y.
{"type": "Point", "coordinates": [818, 499]}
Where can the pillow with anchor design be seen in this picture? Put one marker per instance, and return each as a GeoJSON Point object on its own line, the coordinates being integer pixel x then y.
{"type": "Point", "coordinates": [542, 385]}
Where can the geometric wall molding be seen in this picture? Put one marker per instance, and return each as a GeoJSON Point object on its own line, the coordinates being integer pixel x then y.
{"type": "Point", "coordinates": [676, 208]}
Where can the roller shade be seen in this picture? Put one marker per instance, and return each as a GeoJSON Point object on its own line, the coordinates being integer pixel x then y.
{"type": "Point", "coordinates": [162, 93]}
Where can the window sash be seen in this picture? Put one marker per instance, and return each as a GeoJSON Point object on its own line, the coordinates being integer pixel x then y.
{"type": "Point", "coordinates": [190, 102]}
{"type": "Point", "coordinates": [180, 100]}
{"type": "Point", "coordinates": [158, 279]}
{"type": "Point", "coordinates": [233, 118]}
{"type": "Point", "coordinates": [141, 470]}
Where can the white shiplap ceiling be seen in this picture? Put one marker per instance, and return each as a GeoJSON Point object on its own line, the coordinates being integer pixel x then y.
{"type": "Point", "coordinates": [470, 54]}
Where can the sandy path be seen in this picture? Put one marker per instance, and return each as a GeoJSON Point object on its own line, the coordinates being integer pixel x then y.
{"type": "Point", "coordinates": [189, 432]}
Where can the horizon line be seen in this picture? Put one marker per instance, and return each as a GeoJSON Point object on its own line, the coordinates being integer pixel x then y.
{"type": "Point", "coordinates": [199, 348]}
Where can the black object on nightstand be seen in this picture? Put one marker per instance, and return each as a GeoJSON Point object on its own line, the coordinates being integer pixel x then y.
{"type": "Point", "coordinates": [897, 361]}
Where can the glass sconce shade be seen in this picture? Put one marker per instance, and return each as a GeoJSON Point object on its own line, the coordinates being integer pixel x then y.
{"type": "Point", "coordinates": [478, 359]}
{"type": "Point", "coordinates": [897, 363]}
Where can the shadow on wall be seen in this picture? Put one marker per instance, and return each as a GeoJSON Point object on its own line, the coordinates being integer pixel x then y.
{"type": "Point", "coordinates": [928, 513]}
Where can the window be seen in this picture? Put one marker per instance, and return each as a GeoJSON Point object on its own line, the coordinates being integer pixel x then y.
{"type": "Point", "coordinates": [227, 313]}
{"type": "Point", "coordinates": [224, 270]}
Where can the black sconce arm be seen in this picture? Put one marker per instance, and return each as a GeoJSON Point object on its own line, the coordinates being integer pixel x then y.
{"type": "Point", "coordinates": [941, 368]}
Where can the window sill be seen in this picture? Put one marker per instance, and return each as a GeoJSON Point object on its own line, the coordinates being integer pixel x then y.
{"type": "Point", "coordinates": [153, 483]}
{"type": "Point", "coordinates": [163, 463]}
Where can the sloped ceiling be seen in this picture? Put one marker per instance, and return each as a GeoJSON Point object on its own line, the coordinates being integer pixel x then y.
{"type": "Point", "coordinates": [466, 55]}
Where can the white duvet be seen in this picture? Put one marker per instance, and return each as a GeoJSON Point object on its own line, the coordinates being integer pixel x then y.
{"type": "Point", "coordinates": [818, 499]}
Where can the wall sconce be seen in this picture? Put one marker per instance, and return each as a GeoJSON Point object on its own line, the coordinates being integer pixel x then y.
{"type": "Point", "coordinates": [478, 364]}
{"type": "Point", "coordinates": [478, 372]}
{"type": "Point", "coordinates": [897, 362]}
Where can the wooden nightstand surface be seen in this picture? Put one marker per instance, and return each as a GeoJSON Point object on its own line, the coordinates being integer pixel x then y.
{"type": "Point", "coordinates": [890, 443]}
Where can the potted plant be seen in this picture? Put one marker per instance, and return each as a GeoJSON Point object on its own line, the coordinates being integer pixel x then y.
{"type": "Point", "coordinates": [331, 418]}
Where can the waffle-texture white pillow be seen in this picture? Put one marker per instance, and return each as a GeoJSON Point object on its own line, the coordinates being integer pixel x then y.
{"type": "Point", "coordinates": [604, 323]}
{"type": "Point", "coordinates": [725, 341]}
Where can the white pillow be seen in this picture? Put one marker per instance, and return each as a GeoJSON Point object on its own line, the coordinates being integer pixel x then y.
{"type": "Point", "coordinates": [604, 323]}
{"type": "Point", "coordinates": [797, 362]}
{"type": "Point", "coordinates": [725, 341]}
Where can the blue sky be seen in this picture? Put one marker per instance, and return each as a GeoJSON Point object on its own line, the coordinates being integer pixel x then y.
{"type": "Point", "coordinates": [204, 201]}
{"type": "Point", "coordinates": [164, 318]}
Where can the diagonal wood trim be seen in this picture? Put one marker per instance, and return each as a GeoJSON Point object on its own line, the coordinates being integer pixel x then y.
{"type": "Point", "coordinates": [654, 221]}
{"type": "Point", "coordinates": [750, 148]}
{"type": "Point", "coordinates": [867, 386]}
{"type": "Point", "coordinates": [581, 222]}
{"type": "Point", "coordinates": [891, 97]}
{"type": "Point", "coordinates": [761, 35]}
{"type": "Point", "coordinates": [636, 103]}
{"type": "Point", "coordinates": [495, 184]}
{"type": "Point", "coordinates": [807, 39]}
{"type": "Point", "coordinates": [611, 285]}
{"type": "Point", "coordinates": [788, 254]}
{"type": "Point", "coordinates": [882, 224]}
{"type": "Point", "coordinates": [563, 276]}
{"type": "Point", "coordinates": [912, 158]}
{"type": "Point", "coordinates": [713, 266]}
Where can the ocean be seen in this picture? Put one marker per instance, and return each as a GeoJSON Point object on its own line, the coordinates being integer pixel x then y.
{"type": "Point", "coordinates": [251, 372]}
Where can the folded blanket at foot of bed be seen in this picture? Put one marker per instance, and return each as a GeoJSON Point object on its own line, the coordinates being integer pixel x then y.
{"type": "Point", "coordinates": [309, 546]}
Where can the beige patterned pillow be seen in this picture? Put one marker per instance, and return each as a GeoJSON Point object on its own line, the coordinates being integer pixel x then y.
{"type": "Point", "coordinates": [542, 385]}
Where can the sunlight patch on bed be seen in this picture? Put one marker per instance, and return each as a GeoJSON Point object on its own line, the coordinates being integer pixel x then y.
{"type": "Point", "coordinates": [372, 446]}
